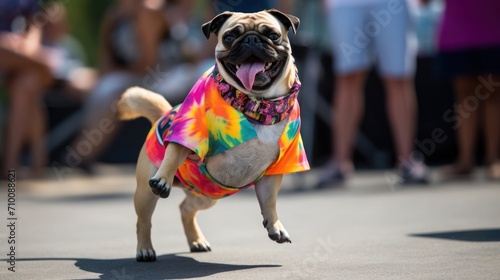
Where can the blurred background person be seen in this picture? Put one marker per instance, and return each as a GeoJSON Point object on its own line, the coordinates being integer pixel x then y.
{"type": "Point", "coordinates": [362, 32]}
{"type": "Point", "coordinates": [469, 45]}
{"type": "Point", "coordinates": [130, 38]}
{"type": "Point", "coordinates": [25, 77]}
{"type": "Point", "coordinates": [185, 54]}
{"type": "Point", "coordinates": [73, 80]}
{"type": "Point", "coordinates": [65, 55]}
{"type": "Point", "coordinates": [169, 59]}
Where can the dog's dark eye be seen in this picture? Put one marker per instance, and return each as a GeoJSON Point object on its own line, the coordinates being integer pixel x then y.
{"type": "Point", "coordinates": [229, 39]}
{"type": "Point", "coordinates": [273, 36]}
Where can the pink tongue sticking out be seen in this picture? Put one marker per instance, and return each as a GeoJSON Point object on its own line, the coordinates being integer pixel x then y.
{"type": "Point", "coordinates": [247, 73]}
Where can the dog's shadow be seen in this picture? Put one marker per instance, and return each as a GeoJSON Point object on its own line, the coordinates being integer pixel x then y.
{"type": "Point", "coordinates": [171, 266]}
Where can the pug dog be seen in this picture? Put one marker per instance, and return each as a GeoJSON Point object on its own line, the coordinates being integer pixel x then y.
{"type": "Point", "coordinates": [238, 127]}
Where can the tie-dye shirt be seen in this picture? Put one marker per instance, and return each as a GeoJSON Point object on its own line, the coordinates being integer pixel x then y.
{"type": "Point", "coordinates": [207, 125]}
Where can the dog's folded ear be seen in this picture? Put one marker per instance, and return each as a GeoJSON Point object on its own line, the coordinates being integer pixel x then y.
{"type": "Point", "coordinates": [286, 19]}
{"type": "Point", "coordinates": [215, 24]}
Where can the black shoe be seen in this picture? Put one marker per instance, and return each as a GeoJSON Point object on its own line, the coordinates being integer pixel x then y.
{"type": "Point", "coordinates": [331, 177]}
{"type": "Point", "coordinates": [417, 173]}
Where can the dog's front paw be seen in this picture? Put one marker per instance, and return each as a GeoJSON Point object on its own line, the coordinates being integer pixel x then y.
{"type": "Point", "coordinates": [160, 187]}
{"type": "Point", "coordinates": [277, 232]}
{"type": "Point", "coordinates": [145, 255]}
{"type": "Point", "coordinates": [197, 247]}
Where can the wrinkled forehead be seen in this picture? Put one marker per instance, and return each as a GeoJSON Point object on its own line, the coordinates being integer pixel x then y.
{"type": "Point", "coordinates": [262, 22]}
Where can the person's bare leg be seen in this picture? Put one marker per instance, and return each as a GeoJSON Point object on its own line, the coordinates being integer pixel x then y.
{"type": "Point", "coordinates": [492, 133]}
{"type": "Point", "coordinates": [38, 144]}
{"type": "Point", "coordinates": [28, 80]}
{"type": "Point", "coordinates": [401, 109]}
{"type": "Point", "coordinates": [467, 124]}
{"type": "Point", "coordinates": [24, 92]}
{"type": "Point", "coordinates": [347, 113]}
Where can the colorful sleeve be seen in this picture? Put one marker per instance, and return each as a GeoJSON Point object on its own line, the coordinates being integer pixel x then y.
{"type": "Point", "coordinates": [189, 127]}
{"type": "Point", "coordinates": [292, 156]}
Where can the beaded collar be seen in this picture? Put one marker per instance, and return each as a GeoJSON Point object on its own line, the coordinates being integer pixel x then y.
{"type": "Point", "coordinates": [259, 111]}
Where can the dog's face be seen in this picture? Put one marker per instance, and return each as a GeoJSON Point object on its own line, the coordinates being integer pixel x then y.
{"type": "Point", "coordinates": [253, 51]}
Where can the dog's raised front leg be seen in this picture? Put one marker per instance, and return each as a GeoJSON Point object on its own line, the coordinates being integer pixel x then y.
{"type": "Point", "coordinates": [162, 181]}
{"type": "Point", "coordinates": [267, 190]}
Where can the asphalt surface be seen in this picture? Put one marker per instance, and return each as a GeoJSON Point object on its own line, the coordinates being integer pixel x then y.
{"type": "Point", "coordinates": [84, 228]}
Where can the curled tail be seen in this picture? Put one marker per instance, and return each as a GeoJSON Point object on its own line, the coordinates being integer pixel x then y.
{"type": "Point", "coordinates": [139, 102]}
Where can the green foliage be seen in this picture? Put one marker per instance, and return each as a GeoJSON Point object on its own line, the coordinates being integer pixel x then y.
{"type": "Point", "coordinates": [85, 17]}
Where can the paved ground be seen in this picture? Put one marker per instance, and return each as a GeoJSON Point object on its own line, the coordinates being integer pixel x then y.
{"type": "Point", "coordinates": [84, 228]}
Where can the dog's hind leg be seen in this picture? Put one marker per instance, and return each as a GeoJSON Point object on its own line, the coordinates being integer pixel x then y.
{"type": "Point", "coordinates": [145, 203]}
{"type": "Point", "coordinates": [189, 207]}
